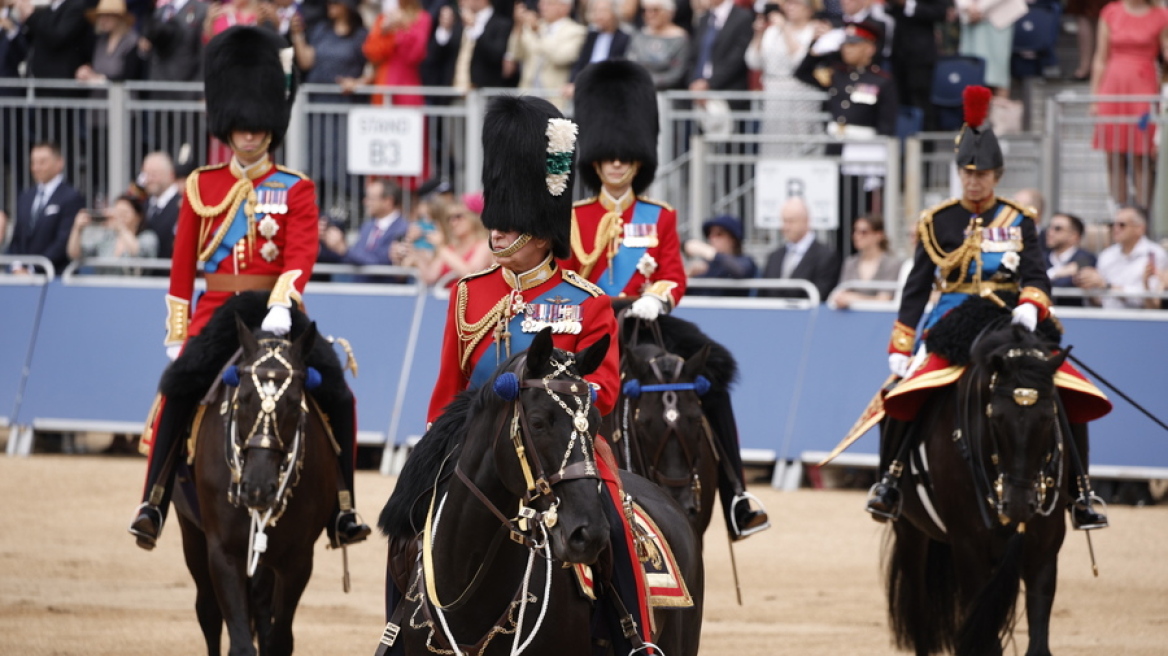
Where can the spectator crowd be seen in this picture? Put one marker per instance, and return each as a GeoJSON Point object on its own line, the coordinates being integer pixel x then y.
{"type": "Point", "coordinates": [872, 58]}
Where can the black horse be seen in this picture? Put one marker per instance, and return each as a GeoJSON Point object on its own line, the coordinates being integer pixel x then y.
{"type": "Point", "coordinates": [489, 580]}
{"type": "Point", "coordinates": [258, 441]}
{"type": "Point", "coordinates": [663, 434]}
{"type": "Point", "coordinates": [985, 512]}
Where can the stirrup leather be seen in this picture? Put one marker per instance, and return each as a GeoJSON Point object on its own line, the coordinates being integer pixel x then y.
{"type": "Point", "coordinates": [745, 532]}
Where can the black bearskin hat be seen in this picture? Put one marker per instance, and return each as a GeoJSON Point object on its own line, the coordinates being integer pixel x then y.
{"type": "Point", "coordinates": [247, 86]}
{"type": "Point", "coordinates": [528, 150]}
{"type": "Point", "coordinates": [616, 107]}
{"type": "Point", "coordinates": [977, 145]}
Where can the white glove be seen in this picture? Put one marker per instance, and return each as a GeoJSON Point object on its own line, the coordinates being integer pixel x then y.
{"type": "Point", "coordinates": [647, 308]}
{"type": "Point", "coordinates": [278, 321]}
{"type": "Point", "coordinates": [1026, 314]}
{"type": "Point", "coordinates": [172, 352]}
{"type": "Point", "coordinates": [898, 364]}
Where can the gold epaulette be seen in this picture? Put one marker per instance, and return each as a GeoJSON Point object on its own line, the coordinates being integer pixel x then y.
{"type": "Point", "coordinates": [928, 214]}
{"type": "Point", "coordinates": [1026, 210]}
{"type": "Point", "coordinates": [284, 169]}
{"type": "Point", "coordinates": [209, 167]}
{"type": "Point", "coordinates": [654, 201]}
{"type": "Point", "coordinates": [478, 274]}
{"type": "Point", "coordinates": [576, 280]}
{"type": "Point", "coordinates": [586, 201]}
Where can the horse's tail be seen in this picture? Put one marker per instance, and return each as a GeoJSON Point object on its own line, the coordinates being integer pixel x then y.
{"type": "Point", "coordinates": [991, 615]}
{"type": "Point", "coordinates": [922, 592]}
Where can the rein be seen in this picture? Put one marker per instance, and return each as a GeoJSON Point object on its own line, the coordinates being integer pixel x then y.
{"type": "Point", "coordinates": [530, 527]}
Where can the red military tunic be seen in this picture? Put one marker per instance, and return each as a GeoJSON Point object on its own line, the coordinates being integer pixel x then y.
{"type": "Point", "coordinates": [254, 230]}
{"type": "Point", "coordinates": [657, 272]}
{"type": "Point", "coordinates": [479, 307]}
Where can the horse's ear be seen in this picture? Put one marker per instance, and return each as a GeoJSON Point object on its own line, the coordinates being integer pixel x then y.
{"type": "Point", "coordinates": [590, 359]}
{"type": "Point", "coordinates": [1058, 359]}
{"type": "Point", "coordinates": [539, 353]}
{"type": "Point", "coordinates": [697, 364]}
{"type": "Point", "coordinates": [247, 340]}
{"type": "Point", "coordinates": [307, 340]}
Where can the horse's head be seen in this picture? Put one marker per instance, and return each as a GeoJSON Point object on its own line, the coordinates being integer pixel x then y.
{"type": "Point", "coordinates": [1023, 442]}
{"type": "Point", "coordinates": [664, 423]}
{"type": "Point", "coordinates": [549, 460]}
{"type": "Point", "coordinates": [269, 410]}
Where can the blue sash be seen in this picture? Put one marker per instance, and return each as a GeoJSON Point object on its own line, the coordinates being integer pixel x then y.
{"type": "Point", "coordinates": [990, 263]}
{"type": "Point", "coordinates": [520, 341]}
{"type": "Point", "coordinates": [624, 265]}
{"type": "Point", "coordinates": [238, 228]}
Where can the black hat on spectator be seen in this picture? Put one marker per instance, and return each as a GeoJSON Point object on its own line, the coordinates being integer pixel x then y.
{"type": "Point", "coordinates": [868, 30]}
{"type": "Point", "coordinates": [250, 83]}
{"type": "Point", "coordinates": [528, 157]}
{"type": "Point", "coordinates": [726, 222]}
{"type": "Point", "coordinates": [616, 107]}
{"type": "Point", "coordinates": [434, 186]}
{"type": "Point", "coordinates": [977, 145]}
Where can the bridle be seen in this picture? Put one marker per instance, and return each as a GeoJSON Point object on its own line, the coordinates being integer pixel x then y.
{"type": "Point", "coordinates": [991, 481]}
{"type": "Point", "coordinates": [530, 526]}
{"type": "Point", "coordinates": [667, 386]}
{"type": "Point", "coordinates": [271, 375]}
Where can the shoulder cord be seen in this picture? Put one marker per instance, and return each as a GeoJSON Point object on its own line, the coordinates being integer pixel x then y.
{"type": "Point", "coordinates": [471, 334]}
{"type": "Point", "coordinates": [241, 192]}
{"type": "Point", "coordinates": [608, 233]}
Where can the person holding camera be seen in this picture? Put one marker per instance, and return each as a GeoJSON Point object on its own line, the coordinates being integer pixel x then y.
{"type": "Point", "coordinates": [116, 232]}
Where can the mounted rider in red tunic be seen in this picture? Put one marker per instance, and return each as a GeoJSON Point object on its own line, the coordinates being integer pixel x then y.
{"type": "Point", "coordinates": [252, 224]}
{"type": "Point", "coordinates": [627, 244]}
{"type": "Point", "coordinates": [981, 253]}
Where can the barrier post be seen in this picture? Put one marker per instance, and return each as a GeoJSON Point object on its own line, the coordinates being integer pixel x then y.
{"type": "Point", "coordinates": [118, 120]}
{"type": "Point", "coordinates": [697, 187]}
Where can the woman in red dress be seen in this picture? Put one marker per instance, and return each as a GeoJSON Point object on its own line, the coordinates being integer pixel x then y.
{"type": "Point", "coordinates": [1132, 33]}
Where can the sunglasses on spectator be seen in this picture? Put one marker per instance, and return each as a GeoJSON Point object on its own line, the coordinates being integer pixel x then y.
{"type": "Point", "coordinates": [1057, 228]}
{"type": "Point", "coordinates": [459, 215]}
{"type": "Point", "coordinates": [862, 231]}
{"type": "Point", "coordinates": [1119, 224]}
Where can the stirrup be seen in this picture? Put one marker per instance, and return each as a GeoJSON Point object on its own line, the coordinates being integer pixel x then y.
{"type": "Point", "coordinates": [740, 533]}
{"type": "Point", "coordinates": [893, 507]}
{"type": "Point", "coordinates": [1084, 504]}
{"type": "Point", "coordinates": [146, 539]}
{"type": "Point", "coordinates": [340, 539]}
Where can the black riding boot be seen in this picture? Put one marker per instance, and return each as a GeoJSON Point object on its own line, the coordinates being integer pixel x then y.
{"type": "Point", "coordinates": [884, 497]}
{"type": "Point", "coordinates": [346, 527]}
{"type": "Point", "coordinates": [172, 424]}
{"type": "Point", "coordinates": [741, 520]}
{"type": "Point", "coordinates": [1084, 513]}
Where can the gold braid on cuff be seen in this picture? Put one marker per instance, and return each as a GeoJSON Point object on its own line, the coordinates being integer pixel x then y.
{"type": "Point", "coordinates": [285, 290]}
{"type": "Point", "coordinates": [178, 318]}
{"type": "Point", "coordinates": [902, 339]}
{"type": "Point", "coordinates": [1038, 297]}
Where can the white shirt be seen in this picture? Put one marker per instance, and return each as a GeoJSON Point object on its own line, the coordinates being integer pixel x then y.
{"type": "Point", "coordinates": [601, 47]}
{"type": "Point", "coordinates": [162, 199]}
{"type": "Point", "coordinates": [47, 189]}
{"type": "Point", "coordinates": [1126, 271]}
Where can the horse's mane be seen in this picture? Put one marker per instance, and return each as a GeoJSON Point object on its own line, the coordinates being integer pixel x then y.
{"type": "Point", "coordinates": [952, 336]}
{"type": "Point", "coordinates": [403, 515]}
{"type": "Point", "coordinates": [205, 354]}
{"type": "Point", "coordinates": [686, 339]}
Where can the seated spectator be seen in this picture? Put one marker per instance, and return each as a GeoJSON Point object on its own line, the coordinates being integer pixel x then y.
{"type": "Point", "coordinates": [1131, 264]}
{"type": "Point", "coordinates": [120, 232]}
{"type": "Point", "coordinates": [719, 256]}
{"type": "Point", "coordinates": [163, 197]}
{"type": "Point", "coordinates": [385, 225]}
{"type": "Point", "coordinates": [545, 45]}
{"type": "Point", "coordinates": [332, 242]}
{"type": "Point", "coordinates": [871, 262]}
{"type": "Point", "coordinates": [45, 212]}
{"type": "Point", "coordinates": [1064, 236]}
{"type": "Point", "coordinates": [801, 257]}
{"type": "Point", "coordinates": [115, 55]}
{"type": "Point", "coordinates": [605, 39]}
{"type": "Point", "coordinates": [661, 46]}
{"type": "Point", "coordinates": [460, 244]}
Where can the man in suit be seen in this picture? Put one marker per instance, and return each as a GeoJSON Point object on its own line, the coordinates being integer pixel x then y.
{"type": "Point", "coordinates": [801, 257]}
{"type": "Point", "coordinates": [45, 213]}
{"type": "Point", "coordinates": [61, 39]}
{"type": "Point", "coordinates": [718, 55]}
{"type": "Point", "coordinates": [914, 51]}
{"type": "Point", "coordinates": [163, 197]}
{"type": "Point", "coordinates": [13, 50]}
{"type": "Point", "coordinates": [174, 41]}
{"type": "Point", "coordinates": [546, 45]}
{"type": "Point", "coordinates": [1065, 256]}
{"type": "Point", "coordinates": [481, 37]}
{"type": "Point", "coordinates": [385, 226]}
{"type": "Point", "coordinates": [437, 69]}
{"type": "Point", "coordinates": [605, 39]}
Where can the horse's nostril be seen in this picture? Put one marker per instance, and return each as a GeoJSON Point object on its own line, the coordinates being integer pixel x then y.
{"type": "Point", "coordinates": [582, 537]}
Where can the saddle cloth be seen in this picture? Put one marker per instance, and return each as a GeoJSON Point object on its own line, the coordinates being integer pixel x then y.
{"type": "Point", "coordinates": [665, 585]}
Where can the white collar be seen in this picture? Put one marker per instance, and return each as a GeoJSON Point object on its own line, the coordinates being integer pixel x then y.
{"type": "Point", "coordinates": [802, 245]}
{"type": "Point", "coordinates": [722, 11]}
{"type": "Point", "coordinates": [50, 187]}
{"type": "Point", "coordinates": [384, 222]}
{"type": "Point", "coordinates": [162, 199]}
{"type": "Point", "coordinates": [480, 22]}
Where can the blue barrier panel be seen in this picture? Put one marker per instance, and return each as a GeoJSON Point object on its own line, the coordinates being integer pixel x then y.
{"type": "Point", "coordinates": [1132, 356]}
{"type": "Point", "coordinates": [425, 369]}
{"type": "Point", "coordinates": [769, 345]}
{"type": "Point", "coordinates": [846, 369]}
{"type": "Point", "coordinates": [21, 302]}
{"type": "Point", "coordinates": [378, 327]}
{"type": "Point", "coordinates": [98, 355]}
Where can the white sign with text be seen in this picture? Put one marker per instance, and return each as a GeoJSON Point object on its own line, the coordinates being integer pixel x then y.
{"type": "Point", "coordinates": [385, 141]}
{"type": "Point", "coordinates": [816, 180]}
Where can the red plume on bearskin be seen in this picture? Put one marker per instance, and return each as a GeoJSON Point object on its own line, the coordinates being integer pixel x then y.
{"type": "Point", "coordinates": [976, 101]}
